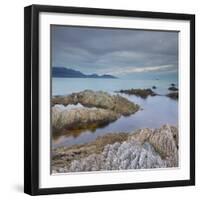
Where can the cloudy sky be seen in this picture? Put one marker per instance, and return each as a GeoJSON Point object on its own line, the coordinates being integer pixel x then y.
{"type": "Point", "coordinates": [119, 52]}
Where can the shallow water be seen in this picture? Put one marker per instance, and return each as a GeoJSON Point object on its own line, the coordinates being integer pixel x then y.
{"type": "Point", "coordinates": [156, 111]}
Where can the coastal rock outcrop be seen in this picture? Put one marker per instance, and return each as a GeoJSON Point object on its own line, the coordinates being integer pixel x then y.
{"type": "Point", "coordinates": [173, 95]}
{"type": "Point", "coordinates": [164, 140]}
{"type": "Point", "coordinates": [143, 93]}
{"type": "Point", "coordinates": [81, 117]}
{"type": "Point", "coordinates": [142, 149]}
{"type": "Point", "coordinates": [128, 155]}
{"type": "Point", "coordinates": [98, 99]}
{"type": "Point", "coordinates": [88, 110]}
{"type": "Point", "coordinates": [173, 88]}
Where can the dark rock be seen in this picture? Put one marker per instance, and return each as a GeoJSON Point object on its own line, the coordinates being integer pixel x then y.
{"type": "Point", "coordinates": [173, 95]}
{"type": "Point", "coordinates": [154, 87]}
{"type": "Point", "coordinates": [173, 88]}
{"type": "Point", "coordinates": [144, 93]}
{"type": "Point", "coordinates": [172, 84]}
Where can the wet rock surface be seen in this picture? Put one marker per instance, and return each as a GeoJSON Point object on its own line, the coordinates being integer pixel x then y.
{"type": "Point", "coordinates": [142, 149]}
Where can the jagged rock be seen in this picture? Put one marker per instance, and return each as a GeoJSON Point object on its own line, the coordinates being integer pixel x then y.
{"type": "Point", "coordinates": [63, 156]}
{"type": "Point", "coordinates": [144, 93]}
{"type": "Point", "coordinates": [164, 140]}
{"type": "Point", "coordinates": [81, 117]}
{"type": "Point", "coordinates": [142, 149]}
{"type": "Point", "coordinates": [99, 99]}
{"type": "Point", "coordinates": [128, 155]}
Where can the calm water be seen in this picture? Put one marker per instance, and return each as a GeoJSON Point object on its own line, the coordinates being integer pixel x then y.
{"type": "Point", "coordinates": [156, 111]}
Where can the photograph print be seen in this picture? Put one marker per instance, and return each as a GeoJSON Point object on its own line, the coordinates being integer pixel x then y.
{"type": "Point", "coordinates": [114, 99]}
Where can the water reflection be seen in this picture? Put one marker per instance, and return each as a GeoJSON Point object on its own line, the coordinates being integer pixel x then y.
{"type": "Point", "coordinates": [156, 111]}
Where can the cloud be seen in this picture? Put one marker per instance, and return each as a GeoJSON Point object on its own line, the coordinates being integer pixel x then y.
{"type": "Point", "coordinates": [117, 51]}
{"type": "Point", "coordinates": [134, 69]}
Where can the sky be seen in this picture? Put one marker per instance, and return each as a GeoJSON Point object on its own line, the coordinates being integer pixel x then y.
{"type": "Point", "coordinates": [125, 53]}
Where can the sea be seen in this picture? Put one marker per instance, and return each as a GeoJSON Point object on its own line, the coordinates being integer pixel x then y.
{"type": "Point", "coordinates": [156, 111]}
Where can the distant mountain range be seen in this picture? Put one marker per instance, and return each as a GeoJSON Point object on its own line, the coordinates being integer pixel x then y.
{"type": "Point", "coordinates": [62, 72]}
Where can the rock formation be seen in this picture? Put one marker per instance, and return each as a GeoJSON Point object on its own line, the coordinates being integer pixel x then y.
{"type": "Point", "coordinates": [143, 93]}
{"type": "Point", "coordinates": [99, 99]}
{"type": "Point", "coordinates": [142, 149]}
{"type": "Point", "coordinates": [173, 88]}
{"type": "Point", "coordinates": [81, 117]}
{"type": "Point", "coordinates": [173, 95]}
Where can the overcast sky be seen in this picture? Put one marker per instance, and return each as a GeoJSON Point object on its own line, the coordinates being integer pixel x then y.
{"type": "Point", "coordinates": [119, 52]}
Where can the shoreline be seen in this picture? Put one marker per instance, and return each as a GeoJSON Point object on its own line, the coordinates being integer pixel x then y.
{"type": "Point", "coordinates": [76, 114]}
{"type": "Point", "coordinates": [154, 147]}
{"type": "Point", "coordinates": [72, 120]}
{"type": "Point", "coordinates": [95, 108]}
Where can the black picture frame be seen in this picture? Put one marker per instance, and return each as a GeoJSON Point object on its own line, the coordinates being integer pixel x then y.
{"type": "Point", "coordinates": [31, 98]}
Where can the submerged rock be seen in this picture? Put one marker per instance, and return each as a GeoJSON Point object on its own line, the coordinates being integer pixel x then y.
{"type": "Point", "coordinates": [154, 87]}
{"type": "Point", "coordinates": [144, 93]}
{"type": "Point", "coordinates": [99, 99]}
{"type": "Point", "coordinates": [142, 149]}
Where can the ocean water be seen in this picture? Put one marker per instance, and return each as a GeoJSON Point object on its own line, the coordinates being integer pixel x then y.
{"type": "Point", "coordinates": [156, 111]}
{"type": "Point", "coordinates": [64, 86]}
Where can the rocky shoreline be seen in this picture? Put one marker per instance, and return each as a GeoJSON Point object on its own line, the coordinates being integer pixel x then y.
{"type": "Point", "coordinates": [98, 99]}
{"type": "Point", "coordinates": [144, 93]}
{"type": "Point", "coordinates": [142, 149]}
{"type": "Point", "coordinates": [100, 108]}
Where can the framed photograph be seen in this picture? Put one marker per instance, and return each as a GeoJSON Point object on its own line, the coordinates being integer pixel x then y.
{"type": "Point", "coordinates": [109, 100]}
